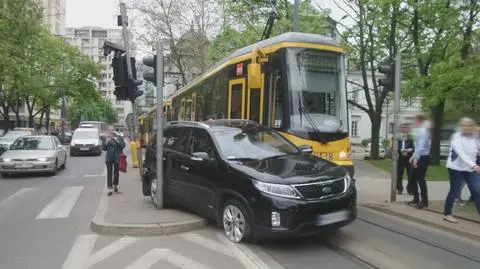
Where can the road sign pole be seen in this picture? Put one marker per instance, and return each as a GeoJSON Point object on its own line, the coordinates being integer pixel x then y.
{"type": "Point", "coordinates": [396, 119]}
{"type": "Point", "coordinates": [159, 193]}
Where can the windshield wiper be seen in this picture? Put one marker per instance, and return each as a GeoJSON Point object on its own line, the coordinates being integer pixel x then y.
{"type": "Point", "coordinates": [241, 159]}
{"type": "Point", "coordinates": [301, 109]}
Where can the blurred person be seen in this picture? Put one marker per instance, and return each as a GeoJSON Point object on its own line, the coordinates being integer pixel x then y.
{"type": "Point", "coordinates": [405, 151]}
{"type": "Point", "coordinates": [420, 160]}
{"type": "Point", "coordinates": [462, 166]}
{"type": "Point", "coordinates": [113, 145]}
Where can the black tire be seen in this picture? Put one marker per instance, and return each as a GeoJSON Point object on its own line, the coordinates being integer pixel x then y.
{"type": "Point", "coordinates": [72, 154]}
{"type": "Point", "coordinates": [64, 165]}
{"type": "Point", "coordinates": [146, 187]}
{"type": "Point", "coordinates": [247, 231]}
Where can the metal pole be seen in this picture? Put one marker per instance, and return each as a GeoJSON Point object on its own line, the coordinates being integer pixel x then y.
{"type": "Point", "coordinates": [297, 14]}
{"type": "Point", "coordinates": [159, 193]}
{"type": "Point", "coordinates": [396, 118]}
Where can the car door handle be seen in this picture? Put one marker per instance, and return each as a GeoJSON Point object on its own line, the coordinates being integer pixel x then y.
{"type": "Point", "coordinates": [184, 168]}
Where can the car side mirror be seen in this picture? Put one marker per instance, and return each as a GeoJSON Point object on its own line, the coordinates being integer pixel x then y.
{"type": "Point", "coordinates": [200, 156]}
{"type": "Point", "coordinates": [306, 149]}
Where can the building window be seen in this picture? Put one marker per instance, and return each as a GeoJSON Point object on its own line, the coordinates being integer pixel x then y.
{"type": "Point", "coordinates": [354, 130]}
{"type": "Point", "coordinates": [99, 34]}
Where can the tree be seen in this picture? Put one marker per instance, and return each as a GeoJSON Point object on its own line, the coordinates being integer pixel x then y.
{"type": "Point", "coordinates": [98, 110]}
{"type": "Point", "coordinates": [184, 27]}
{"type": "Point", "coordinates": [377, 35]}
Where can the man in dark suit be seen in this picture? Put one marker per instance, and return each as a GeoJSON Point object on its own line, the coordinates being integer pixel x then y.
{"type": "Point", "coordinates": [405, 151]}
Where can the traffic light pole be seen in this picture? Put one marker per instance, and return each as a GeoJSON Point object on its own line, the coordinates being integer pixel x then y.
{"type": "Point", "coordinates": [396, 119]}
{"type": "Point", "coordinates": [126, 40]}
{"type": "Point", "coordinates": [160, 127]}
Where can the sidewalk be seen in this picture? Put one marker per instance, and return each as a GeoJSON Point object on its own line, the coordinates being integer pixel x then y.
{"type": "Point", "coordinates": [129, 213]}
{"type": "Point", "coordinates": [373, 187]}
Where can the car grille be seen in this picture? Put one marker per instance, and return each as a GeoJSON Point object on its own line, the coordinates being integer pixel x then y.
{"type": "Point", "coordinates": [321, 190]}
{"type": "Point", "coordinates": [24, 160]}
{"type": "Point", "coordinates": [85, 145]}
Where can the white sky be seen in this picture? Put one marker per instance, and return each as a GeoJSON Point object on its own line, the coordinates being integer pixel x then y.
{"type": "Point", "coordinates": [104, 13]}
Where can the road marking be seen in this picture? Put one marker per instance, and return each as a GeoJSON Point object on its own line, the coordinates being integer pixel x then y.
{"type": "Point", "coordinates": [103, 174]}
{"type": "Point", "coordinates": [62, 205]}
{"type": "Point", "coordinates": [15, 195]}
{"type": "Point", "coordinates": [208, 243]}
{"type": "Point", "coordinates": [5, 208]}
{"type": "Point", "coordinates": [78, 256]}
{"type": "Point", "coordinates": [243, 253]}
{"type": "Point", "coordinates": [110, 250]}
{"type": "Point", "coordinates": [154, 255]}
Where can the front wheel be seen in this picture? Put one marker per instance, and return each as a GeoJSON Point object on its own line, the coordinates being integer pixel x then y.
{"type": "Point", "coordinates": [236, 221]}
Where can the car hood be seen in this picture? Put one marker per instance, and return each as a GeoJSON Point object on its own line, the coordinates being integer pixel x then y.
{"type": "Point", "coordinates": [85, 141]}
{"type": "Point", "coordinates": [7, 141]}
{"type": "Point", "coordinates": [290, 169]}
{"type": "Point", "coordinates": [28, 154]}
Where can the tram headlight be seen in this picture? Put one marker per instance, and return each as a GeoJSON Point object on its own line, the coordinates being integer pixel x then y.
{"type": "Point", "coordinates": [342, 155]}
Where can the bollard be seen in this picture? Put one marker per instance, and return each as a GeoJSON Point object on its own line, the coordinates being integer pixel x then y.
{"type": "Point", "coordinates": [133, 151]}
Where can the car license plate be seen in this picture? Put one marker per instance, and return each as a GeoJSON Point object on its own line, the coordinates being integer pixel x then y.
{"type": "Point", "coordinates": [24, 165]}
{"type": "Point", "coordinates": [330, 218]}
{"type": "Point", "coordinates": [84, 149]}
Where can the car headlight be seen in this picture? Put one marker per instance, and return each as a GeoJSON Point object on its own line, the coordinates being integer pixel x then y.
{"type": "Point", "coordinates": [348, 181]}
{"type": "Point", "coordinates": [43, 159]}
{"type": "Point", "coordinates": [276, 189]}
{"type": "Point", "coordinates": [72, 144]}
{"type": "Point", "coordinates": [6, 160]}
{"type": "Point", "coordinates": [342, 155]}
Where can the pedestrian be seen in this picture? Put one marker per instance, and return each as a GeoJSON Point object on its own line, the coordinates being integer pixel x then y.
{"type": "Point", "coordinates": [420, 161]}
{"type": "Point", "coordinates": [462, 167]}
{"type": "Point", "coordinates": [405, 151]}
{"type": "Point", "coordinates": [113, 145]}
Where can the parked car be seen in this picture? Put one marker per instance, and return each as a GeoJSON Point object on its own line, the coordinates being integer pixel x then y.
{"type": "Point", "coordinates": [381, 151]}
{"type": "Point", "coordinates": [250, 180]}
{"type": "Point", "coordinates": [86, 141]}
{"type": "Point", "coordinates": [7, 140]}
{"type": "Point", "coordinates": [34, 154]}
{"type": "Point", "coordinates": [65, 137]}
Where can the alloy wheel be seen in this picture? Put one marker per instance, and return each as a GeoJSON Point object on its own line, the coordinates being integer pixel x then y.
{"type": "Point", "coordinates": [234, 223]}
{"type": "Point", "coordinates": [153, 191]}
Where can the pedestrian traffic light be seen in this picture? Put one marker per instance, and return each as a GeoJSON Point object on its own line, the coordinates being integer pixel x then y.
{"type": "Point", "coordinates": [120, 76]}
{"type": "Point", "coordinates": [151, 61]}
{"type": "Point", "coordinates": [388, 82]}
{"type": "Point", "coordinates": [133, 91]}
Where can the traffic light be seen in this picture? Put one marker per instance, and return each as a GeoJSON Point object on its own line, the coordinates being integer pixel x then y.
{"type": "Point", "coordinates": [120, 76]}
{"type": "Point", "coordinates": [133, 91]}
{"type": "Point", "coordinates": [151, 61]}
{"type": "Point", "coordinates": [388, 82]}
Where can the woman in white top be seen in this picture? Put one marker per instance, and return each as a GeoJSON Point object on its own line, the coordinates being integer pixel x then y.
{"type": "Point", "coordinates": [462, 167]}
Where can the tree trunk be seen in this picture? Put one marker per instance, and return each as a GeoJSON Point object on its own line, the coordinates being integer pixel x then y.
{"type": "Point", "coordinates": [375, 139]}
{"type": "Point", "coordinates": [437, 119]}
{"type": "Point", "coordinates": [47, 119]}
{"type": "Point", "coordinates": [41, 117]}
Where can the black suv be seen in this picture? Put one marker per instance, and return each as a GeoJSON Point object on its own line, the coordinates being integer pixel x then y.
{"type": "Point", "coordinates": [250, 179]}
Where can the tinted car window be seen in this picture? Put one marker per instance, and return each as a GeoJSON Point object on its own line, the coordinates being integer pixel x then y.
{"type": "Point", "coordinates": [33, 143]}
{"type": "Point", "coordinates": [201, 142]}
{"type": "Point", "coordinates": [178, 139]}
{"type": "Point", "coordinates": [256, 145]}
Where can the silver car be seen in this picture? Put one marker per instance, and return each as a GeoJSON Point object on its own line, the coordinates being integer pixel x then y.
{"type": "Point", "coordinates": [31, 154]}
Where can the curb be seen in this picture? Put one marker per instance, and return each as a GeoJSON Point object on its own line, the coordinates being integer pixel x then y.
{"type": "Point", "coordinates": [382, 209]}
{"type": "Point", "coordinates": [456, 216]}
{"type": "Point", "coordinates": [101, 226]}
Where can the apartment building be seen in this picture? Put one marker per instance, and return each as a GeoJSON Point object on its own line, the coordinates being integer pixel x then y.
{"type": "Point", "coordinates": [54, 15]}
{"type": "Point", "coordinates": [90, 40]}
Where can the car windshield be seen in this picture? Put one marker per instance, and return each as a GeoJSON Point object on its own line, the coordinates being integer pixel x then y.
{"type": "Point", "coordinates": [33, 143]}
{"type": "Point", "coordinates": [85, 135]}
{"type": "Point", "coordinates": [235, 144]}
{"type": "Point", "coordinates": [12, 135]}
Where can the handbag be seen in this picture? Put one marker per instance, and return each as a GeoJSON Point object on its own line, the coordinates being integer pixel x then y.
{"type": "Point", "coordinates": [122, 165]}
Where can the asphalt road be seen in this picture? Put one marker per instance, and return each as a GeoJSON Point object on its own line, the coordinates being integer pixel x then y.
{"type": "Point", "coordinates": [44, 224]}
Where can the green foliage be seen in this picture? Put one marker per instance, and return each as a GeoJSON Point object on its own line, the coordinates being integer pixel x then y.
{"type": "Point", "coordinates": [98, 110]}
{"type": "Point", "coordinates": [36, 66]}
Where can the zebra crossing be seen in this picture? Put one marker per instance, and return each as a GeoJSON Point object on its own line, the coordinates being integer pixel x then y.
{"type": "Point", "coordinates": [56, 204]}
{"type": "Point", "coordinates": [195, 250]}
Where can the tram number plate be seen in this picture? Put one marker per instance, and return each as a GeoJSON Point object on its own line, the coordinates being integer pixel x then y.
{"type": "Point", "coordinates": [324, 155]}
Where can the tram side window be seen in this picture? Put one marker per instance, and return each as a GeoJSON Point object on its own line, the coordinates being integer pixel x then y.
{"type": "Point", "coordinates": [236, 102]}
{"type": "Point", "coordinates": [220, 95]}
{"type": "Point", "coordinates": [276, 104]}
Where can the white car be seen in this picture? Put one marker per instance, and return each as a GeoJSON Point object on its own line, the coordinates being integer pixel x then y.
{"type": "Point", "coordinates": [34, 154]}
{"type": "Point", "coordinates": [381, 151]}
{"type": "Point", "coordinates": [86, 141]}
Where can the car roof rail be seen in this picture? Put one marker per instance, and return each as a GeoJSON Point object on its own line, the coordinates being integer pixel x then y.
{"type": "Point", "coordinates": [188, 123]}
